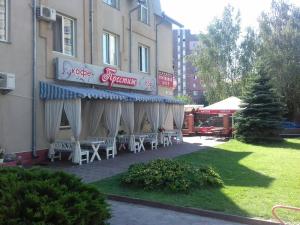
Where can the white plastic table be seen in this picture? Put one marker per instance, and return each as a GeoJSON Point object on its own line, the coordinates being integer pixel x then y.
{"type": "Point", "coordinates": [169, 134]}
{"type": "Point", "coordinates": [95, 146]}
{"type": "Point", "coordinates": [141, 138]}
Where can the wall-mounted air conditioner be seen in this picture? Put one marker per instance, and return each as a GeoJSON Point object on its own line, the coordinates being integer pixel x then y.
{"type": "Point", "coordinates": [46, 13]}
{"type": "Point", "coordinates": [7, 82]}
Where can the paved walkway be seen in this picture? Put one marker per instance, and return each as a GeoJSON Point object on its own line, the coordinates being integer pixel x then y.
{"type": "Point", "coordinates": [131, 214]}
{"type": "Point", "coordinates": [106, 168]}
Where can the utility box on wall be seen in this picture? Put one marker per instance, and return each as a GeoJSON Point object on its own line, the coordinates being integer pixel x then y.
{"type": "Point", "coordinates": [7, 82]}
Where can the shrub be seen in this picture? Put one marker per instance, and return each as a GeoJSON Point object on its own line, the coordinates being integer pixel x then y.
{"type": "Point", "coordinates": [40, 197]}
{"type": "Point", "coordinates": [170, 175]}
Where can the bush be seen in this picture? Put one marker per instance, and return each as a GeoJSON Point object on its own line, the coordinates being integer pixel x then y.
{"type": "Point", "coordinates": [169, 175]}
{"type": "Point", "coordinates": [40, 197]}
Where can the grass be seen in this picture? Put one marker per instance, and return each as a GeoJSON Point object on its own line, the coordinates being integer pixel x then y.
{"type": "Point", "coordinates": [256, 178]}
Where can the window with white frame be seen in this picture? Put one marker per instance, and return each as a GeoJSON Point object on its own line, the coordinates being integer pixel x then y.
{"type": "Point", "coordinates": [64, 35]}
{"type": "Point", "coordinates": [144, 12]}
{"type": "Point", "coordinates": [195, 93]}
{"type": "Point", "coordinates": [143, 59]}
{"type": "Point", "coordinates": [113, 3]}
{"type": "Point", "coordinates": [3, 20]}
{"type": "Point", "coordinates": [110, 49]}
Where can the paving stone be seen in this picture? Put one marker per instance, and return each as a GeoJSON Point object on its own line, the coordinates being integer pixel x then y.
{"type": "Point", "coordinates": [106, 168]}
{"type": "Point", "coordinates": [132, 214]}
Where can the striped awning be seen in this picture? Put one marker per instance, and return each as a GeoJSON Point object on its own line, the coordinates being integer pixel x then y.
{"type": "Point", "coordinates": [137, 97]}
{"type": "Point", "coordinates": [51, 91]}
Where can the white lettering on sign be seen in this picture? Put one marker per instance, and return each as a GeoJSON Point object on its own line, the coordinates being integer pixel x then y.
{"type": "Point", "coordinates": [109, 75]}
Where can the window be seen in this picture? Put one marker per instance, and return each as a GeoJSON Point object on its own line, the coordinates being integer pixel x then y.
{"type": "Point", "coordinates": [3, 20]}
{"type": "Point", "coordinates": [195, 93]}
{"type": "Point", "coordinates": [110, 49]}
{"type": "Point", "coordinates": [144, 12]}
{"type": "Point", "coordinates": [194, 85]}
{"type": "Point", "coordinates": [113, 3]}
{"type": "Point", "coordinates": [143, 59]}
{"type": "Point", "coordinates": [64, 35]}
{"type": "Point", "coordinates": [64, 123]}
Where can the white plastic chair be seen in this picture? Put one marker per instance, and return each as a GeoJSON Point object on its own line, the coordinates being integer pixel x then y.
{"type": "Point", "coordinates": [84, 156]}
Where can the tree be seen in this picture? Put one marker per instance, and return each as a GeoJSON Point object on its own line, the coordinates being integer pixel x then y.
{"type": "Point", "coordinates": [261, 116]}
{"type": "Point", "coordinates": [185, 98]}
{"type": "Point", "coordinates": [220, 60]}
{"type": "Point", "coordinates": [280, 52]}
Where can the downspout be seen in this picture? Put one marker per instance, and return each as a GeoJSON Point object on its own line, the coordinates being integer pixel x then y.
{"type": "Point", "coordinates": [91, 28]}
{"type": "Point", "coordinates": [33, 135]}
{"type": "Point", "coordinates": [130, 36]}
{"type": "Point", "coordinates": [156, 53]}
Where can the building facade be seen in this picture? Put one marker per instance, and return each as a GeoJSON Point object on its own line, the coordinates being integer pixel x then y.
{"type": "Point", "coordinates": [129, 38]}
{"type": "Point", "coordinates": [187, 82]}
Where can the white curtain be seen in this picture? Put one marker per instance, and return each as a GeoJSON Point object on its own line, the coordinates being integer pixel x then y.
{"type": "Point", "coordinates": [152, 112]}
{"type": "Point", "coordinates": [139, 114]}
{"type": "Point", "coordinates": [96, 112]}
{"type": "Point", "coordinates": [73, 112]}
{"type": "Point", "coordinates": [112, 115]}
{"type": "Point", "coordinates": [53, 111]}
{"type": "Point", "coordinates": [164, 110]}
{"type": "Point", "coordinates": [128, 119]}
{"type": "Point", "coordinates": [178, 114]}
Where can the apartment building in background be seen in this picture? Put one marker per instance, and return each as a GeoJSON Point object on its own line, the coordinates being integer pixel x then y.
{"type": "Point", "coordinates": [62, 44]}
{"type": "Point", "coordinates": [187, 82]}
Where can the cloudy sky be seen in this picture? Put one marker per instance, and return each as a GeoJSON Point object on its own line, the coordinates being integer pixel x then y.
{"type": "Point", "coordinates": [197, 14]}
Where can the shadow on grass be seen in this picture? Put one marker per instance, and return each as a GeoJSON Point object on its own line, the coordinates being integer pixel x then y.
{"type": "Point", "coordinates": [285, 143]}
{"type": "Point", "coordinates": [228, 166]}
{"type": "Point", "coordinates": [207, 198]}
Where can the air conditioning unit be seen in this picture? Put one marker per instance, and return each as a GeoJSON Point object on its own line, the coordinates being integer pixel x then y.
{"type": "Point", "coordinates": [46, 13]}
{"type": "Point", "coordinates": [7, 82]}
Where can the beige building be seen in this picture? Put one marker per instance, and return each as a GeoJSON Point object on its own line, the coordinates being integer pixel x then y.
{"type": "Point", "coordinates": [134, 38]}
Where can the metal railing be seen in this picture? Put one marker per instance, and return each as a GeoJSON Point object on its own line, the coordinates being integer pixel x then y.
{"type": "Point", "coordinates": [283, 207]}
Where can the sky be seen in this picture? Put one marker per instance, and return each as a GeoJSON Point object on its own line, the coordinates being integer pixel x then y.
{"type": "Point", "coordinates": [197, 14]}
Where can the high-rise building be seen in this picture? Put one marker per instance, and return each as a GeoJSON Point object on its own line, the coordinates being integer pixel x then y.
{"type": "Point", "coordinates": [184, 43]}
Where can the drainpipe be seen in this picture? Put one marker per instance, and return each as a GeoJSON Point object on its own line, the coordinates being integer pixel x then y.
{"type": "Point", "coordinates": [156, 53]}
{"type": "Point", "coordinates": [91, 28]}
{"type": "Point", "coordinates": [33, 135]}
{"type": "Point", "coordinates": [130, 35]}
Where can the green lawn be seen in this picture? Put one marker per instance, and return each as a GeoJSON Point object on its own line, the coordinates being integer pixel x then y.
{"type": "Point", "coordinates": [256, 178]}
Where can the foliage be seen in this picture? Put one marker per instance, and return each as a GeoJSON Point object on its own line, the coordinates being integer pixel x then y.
{"type": "Point", "coordinates": [170, 176]}
{"type": "Point", "coordinates": [186, 99]}
{"type": "Point", "coordinates": [223, 64]}
{"type": "Point", "coordinates": [2, 151]}
{"type": "Point", "coordinates": [280, 52]}
{"type": "Point", "coordinates": [261, 118]}
{"type": "Point", "coordinates": [39, 197]}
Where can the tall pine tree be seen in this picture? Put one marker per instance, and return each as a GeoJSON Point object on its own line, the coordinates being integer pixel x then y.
{"type": "Point", "coordinates": [261, 116]}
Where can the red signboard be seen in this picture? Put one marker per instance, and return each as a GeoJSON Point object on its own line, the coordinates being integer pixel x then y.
{"type": "Point", "coordinates": [109, 75]}
{"type": "Point", "coordinates": [165, 79]}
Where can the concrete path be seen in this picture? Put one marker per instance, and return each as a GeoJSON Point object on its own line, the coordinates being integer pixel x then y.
{"type": "Point", "coordinates": [106, 168]}
{"type": "Point", "coordinates": [131, 214]}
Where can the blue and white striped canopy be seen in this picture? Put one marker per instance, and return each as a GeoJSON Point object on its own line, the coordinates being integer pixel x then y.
{"type": "Point", "coordinates": [50, 91]}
